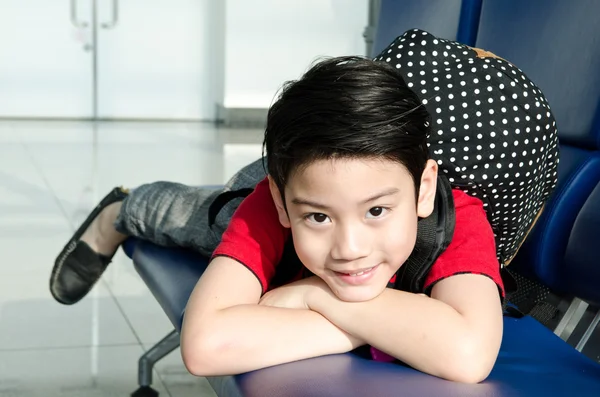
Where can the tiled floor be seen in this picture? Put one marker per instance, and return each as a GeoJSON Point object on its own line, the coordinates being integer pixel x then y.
{"type": "Point", "coordinates": [51, 174]}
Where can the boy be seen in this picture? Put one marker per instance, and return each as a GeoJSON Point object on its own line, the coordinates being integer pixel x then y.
{"type": "Point", "coordinates": [350, 183]}
{"type": "Point", "coordinates": [348, 178]}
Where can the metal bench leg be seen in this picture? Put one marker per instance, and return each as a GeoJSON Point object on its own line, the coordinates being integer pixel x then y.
{"type": "Point", "coordinates": [567, 324]}
{"type": "Point", "coordinates": [151, 357]}
{"type": "Point", "coordinates": [588, 332]}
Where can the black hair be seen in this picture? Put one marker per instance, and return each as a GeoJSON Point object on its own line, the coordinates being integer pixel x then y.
{"type": "Point", "coordinates": [346, 107]}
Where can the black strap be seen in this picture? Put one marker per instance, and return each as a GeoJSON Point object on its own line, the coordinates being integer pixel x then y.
{"type": "Point", "coordinates": [222, 199]}
{"type": "Point", "coordinates": [434, 234]}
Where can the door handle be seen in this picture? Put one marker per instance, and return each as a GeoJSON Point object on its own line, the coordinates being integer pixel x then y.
{"type": "Point", "coordinates": [115, 16]}
{"type": "Point", "coordinates": [74, 19]}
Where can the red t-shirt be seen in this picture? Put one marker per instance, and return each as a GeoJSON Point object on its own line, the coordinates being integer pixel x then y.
{"type": "Point", "coordinates": [256, 239]}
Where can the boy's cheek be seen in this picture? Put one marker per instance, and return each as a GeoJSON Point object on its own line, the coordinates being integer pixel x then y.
{"type": "Point", "coordinates": [397, 242]}
{"type": "Point", "coordinates": [311, 250]}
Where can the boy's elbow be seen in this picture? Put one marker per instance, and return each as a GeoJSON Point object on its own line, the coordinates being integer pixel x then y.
{"type": "Point", "coordinates": [199, 354]}
{"type": "Point", "coordinates": [470, 374]}
{"type": "Point", "coordinates": [196, 357]}
{"type": "Point", "coordinates": [472, 363]}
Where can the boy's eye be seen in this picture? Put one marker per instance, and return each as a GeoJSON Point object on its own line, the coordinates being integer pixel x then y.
{"type": "Point", "coordinates": [317, 218]}
{"type": "Point", "coordinates": [376, 212]}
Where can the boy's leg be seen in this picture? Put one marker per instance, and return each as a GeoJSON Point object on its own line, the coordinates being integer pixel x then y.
{"type": "Point", "coordinates": [173, 214]}
{"type": "Point", "coordinates": [165, 213]}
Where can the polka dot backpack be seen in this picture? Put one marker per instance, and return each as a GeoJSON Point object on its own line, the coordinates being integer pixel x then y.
{"type": "Point", "coordinates": [492, 131]}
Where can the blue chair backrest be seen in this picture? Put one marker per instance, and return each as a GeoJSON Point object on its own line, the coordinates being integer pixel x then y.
{"type": "Point", "coordinates": [556, 43]}
{"type": "Point", "coordinates": [582, 264]}
{"type": "Point", "coordinates": [448, 19]}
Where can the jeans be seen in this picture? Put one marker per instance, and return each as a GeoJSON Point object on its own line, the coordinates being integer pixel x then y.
{"type": "Point", "coordinates": [173, 214]}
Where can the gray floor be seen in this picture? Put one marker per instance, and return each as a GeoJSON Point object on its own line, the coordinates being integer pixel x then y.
{"type": "Point", "coordinates": [51, 175]}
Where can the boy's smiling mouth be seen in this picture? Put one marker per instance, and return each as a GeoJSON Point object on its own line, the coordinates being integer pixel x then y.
{"type": "Point", "coordinates": [356, 277]}
{"type": "Point", "coordinates": [357, 273]}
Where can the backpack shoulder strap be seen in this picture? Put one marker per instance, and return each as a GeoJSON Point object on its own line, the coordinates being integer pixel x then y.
{"type": "Point", "coordinates": [434, 234]}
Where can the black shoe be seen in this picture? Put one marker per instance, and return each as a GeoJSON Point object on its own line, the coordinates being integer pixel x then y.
{"type": "Point", "coordinates": [78, 267]}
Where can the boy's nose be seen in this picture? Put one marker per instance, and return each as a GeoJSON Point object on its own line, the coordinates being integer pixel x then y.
{"type": "Point", "coordinates": [350, 243]}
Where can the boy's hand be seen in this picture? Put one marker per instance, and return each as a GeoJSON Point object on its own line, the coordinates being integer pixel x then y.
{"type": "Point", "coordinates": [295, 295]}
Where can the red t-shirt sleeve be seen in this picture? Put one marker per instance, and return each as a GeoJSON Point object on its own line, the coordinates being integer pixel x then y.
{"type": "Point", "coordinates": [254, 237]}
{"type": "Point", "coordinates": [472, 249]}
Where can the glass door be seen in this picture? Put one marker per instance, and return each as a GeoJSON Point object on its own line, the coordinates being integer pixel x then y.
{"type": "Point", "coordinates": [46, 59]}
{"type": "Point", "coordinates": [160, 59]}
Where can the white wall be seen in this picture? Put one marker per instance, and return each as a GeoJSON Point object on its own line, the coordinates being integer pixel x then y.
{"type": "Point", "coordinates": [270, 41]}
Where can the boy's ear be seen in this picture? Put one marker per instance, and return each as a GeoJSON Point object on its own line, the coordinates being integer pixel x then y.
{"type": "Point", "coordinates": [427, 190]}
{"type": "Point", "coordinates": [277, 199]}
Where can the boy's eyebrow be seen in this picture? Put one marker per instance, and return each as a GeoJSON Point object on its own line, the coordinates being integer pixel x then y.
{"type": "Point", "coordinates": [311, 203]}
{"type": "Point", "coordinates": [387, 192]}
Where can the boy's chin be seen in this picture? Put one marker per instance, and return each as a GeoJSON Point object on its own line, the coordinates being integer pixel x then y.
{"type": "Point", "coordinates": [358, 294]}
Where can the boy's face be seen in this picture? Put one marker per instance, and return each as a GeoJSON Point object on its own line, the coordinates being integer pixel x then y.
{"type": "Point", "coordinates": [354, 222]}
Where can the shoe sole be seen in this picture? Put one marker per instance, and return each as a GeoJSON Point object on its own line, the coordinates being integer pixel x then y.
{"type": "Point", "coordinates": [115, 195]}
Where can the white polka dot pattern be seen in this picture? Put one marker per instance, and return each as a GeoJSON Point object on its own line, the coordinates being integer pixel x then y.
{"type": "Point", "coordinates": [492, 131]}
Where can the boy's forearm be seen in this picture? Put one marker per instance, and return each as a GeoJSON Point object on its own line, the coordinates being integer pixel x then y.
{"type": "Point", "coordinates": [423, 332]}
{"type": "Point", "coordinates": [249, 337]}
